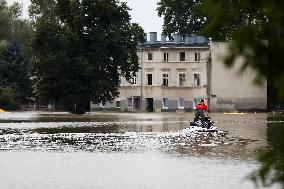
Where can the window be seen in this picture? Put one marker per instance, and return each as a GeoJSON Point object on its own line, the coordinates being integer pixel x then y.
{"type": "Point", "coordinates": [129, 102]}
{"type": "Point", "coordinates": [165, 103]}
{"type": "Point", "coordinates": [117, 103]}
{"type": "Point", "coordinates": [133, 80]}
{"type": "Point", "coordinates": [165, 80]}
{"type": "Point", "coordinates": [166, 57]}
{"type": "Point", "coordinates": [197, 56]}
{"type": "Point", "coordinates": [196, 79]}
{"type": "Point", "coordinates": [181, 81]}
{"type": "Point", "coordinates": [150, 56]}
{"type": "Point", "coordinates": [182, 56]}
{"type": "Point", "coordinates": [149, 79]}
{"type": "Point", "coordinates": [181, 103]}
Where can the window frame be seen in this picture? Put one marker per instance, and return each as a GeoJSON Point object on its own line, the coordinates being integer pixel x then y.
{"type": "Point", "coordinates": [150, 55]}
{"type": "Point", "coordinates": [166, 78]}
{"type": "Point", "coordinates": [198, 80]}
{"type": "Point", "coordinates": [164, 103]}
{"type": "Point", "coordinates": [179, 103]}
{"type": "Point", "coordinates": [184, 80]}
{"type": "Point", "coordinates": [133, 80]}
{"type": "Point", "coordinates": [165, 56]}
{"type": "Point", "coordinates": [180, 56]}
{"type": "Point", "coordinates": [196, 56]}
{"type": "Point", "coordinates": [127, 102]}
{"type": "Point", "coordinates": [117, 101]}
{"type": "Point", "coordinates": [147, 79]}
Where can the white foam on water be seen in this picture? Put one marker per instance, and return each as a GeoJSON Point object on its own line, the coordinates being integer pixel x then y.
{"type": "Point", "coordinates": [31, 125]}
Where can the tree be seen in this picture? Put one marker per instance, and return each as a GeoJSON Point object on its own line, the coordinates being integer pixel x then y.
{"type": "Point", "coordinates": [258, 38]}
{"type": "Point", "coordinates": [81, 49]}
{"type": "Point", "coordinates": [14, 71]}
{"type": "Point", "coordinates": [256, 32]}
{"type": "Point", "coordinates": [13, 28]}
{"type": "Point", "coordinates": [7, 99]}
{"type": "Point", "coordinates": [15, 52]}
{"type": "Point", "coordinates": [9, 15]}
{"type": "Point", "coordinates": [180, 16]}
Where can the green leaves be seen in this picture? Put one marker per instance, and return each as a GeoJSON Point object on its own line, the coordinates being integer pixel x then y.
{"type": "Point", "coordinates": [15, 52]}
{"type": "Point", "coordinates": [14, 69]}
{"type": "Point", "coordinates": [271, 159]}
{"type": "Point", "coordinates": [180, 16]}
{"type": "Point", "coordinates": [256, 31]}
{"type": "Point", "coordinates": [7, 98]}
{"type": "Point", "coordinates": [80, 49]}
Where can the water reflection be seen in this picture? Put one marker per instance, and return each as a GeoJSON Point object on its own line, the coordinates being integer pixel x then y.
{"type": "Point", "coordinates": [138, 150]}
{"type": "Point", "coordinates": [240, 137]}
{"type": "Point", "coordinates": [275, 128]}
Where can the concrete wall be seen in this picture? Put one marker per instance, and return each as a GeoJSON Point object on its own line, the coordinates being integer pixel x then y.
{"type": "Point", "coordinates": [230, 89]}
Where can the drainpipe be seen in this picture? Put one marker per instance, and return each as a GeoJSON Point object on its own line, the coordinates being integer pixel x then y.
{"type": "Point", "coordinates": [141, 79]}
{"type": "Point", "coordinates": [132, 103]}
{"type": "Point", "coordinates": [209, 74]}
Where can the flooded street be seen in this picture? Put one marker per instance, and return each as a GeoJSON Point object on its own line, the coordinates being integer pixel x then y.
{"type": "Point", "coordinates": [129, 150]}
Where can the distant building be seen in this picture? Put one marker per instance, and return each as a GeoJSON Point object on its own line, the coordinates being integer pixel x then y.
{"type": "Point", "coordinates": [175, 75]}
{"type": "Point", "coordinates": [231, 89]}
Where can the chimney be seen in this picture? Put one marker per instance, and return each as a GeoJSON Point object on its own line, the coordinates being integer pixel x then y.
{"type": "Point", "coordinates": [193, 38]}
{"type": "Point", "coordinates": [163, 39]}
{"type": "Point", "coordinates": [200, 39]}
{"type": "Point", "coordinates": [153, 38]}
{"type": "Point", "coordinates": [187, 40]}
{"type": "Point", "coordinates": [145, 38]}
{"type": "Point", "coordinates": [177, 39]}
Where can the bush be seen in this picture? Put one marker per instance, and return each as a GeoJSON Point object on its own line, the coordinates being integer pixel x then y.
{"type": "Point", "coordinates": [7, 99]}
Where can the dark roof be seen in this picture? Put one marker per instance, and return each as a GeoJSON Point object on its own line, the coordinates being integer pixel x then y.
{"type": "Point", "coordinates": [172, 45]}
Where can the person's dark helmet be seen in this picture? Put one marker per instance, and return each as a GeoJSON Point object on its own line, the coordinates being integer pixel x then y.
{"type": "Point", "coordinates": [201, 100]}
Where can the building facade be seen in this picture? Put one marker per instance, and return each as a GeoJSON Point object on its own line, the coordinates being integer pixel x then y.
{"type": "Point", "coordinates": [175, 75]}
{"type": "Point", "coordinates": [230, 89]}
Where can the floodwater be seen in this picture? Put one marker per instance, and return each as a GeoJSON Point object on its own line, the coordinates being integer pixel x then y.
{"type": "Point", "coordinates": [129, 150]}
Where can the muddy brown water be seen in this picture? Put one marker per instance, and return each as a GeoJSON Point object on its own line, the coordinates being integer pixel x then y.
{"type": "Point", "coordinates": [130, 150]}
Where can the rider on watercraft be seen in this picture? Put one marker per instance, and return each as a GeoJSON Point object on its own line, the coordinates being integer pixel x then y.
{"type": "Point", "coordinates": [201, 108]}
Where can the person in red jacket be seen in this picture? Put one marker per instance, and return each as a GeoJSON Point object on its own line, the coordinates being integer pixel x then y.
{"type": "Point", "coordinates": [201, 108]}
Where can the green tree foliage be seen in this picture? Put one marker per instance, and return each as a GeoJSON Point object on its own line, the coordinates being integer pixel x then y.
{"type": "Point", "coordinates": [14, 71]}
{"type": "Point", "coordinates": [13, 28]}
{"type": "Point", "coordinates": [256, 32]}
{"type": "Point", "coordinates": [257, 35]}
{"type": "Point", "coordinates": [9, 17]}
{"type": "Point", "coordinates": [272, 159]}
{"type": "Point", "coordinates": [81, 48]}
{"type": "Point", "coordinates": [7, 99]}
{"type": "Point", "coordinates": [180, 16]}
{"type": "Point", "coordinates": [15, 35]}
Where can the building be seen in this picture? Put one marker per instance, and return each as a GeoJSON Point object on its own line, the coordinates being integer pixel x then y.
{"type": "Point", "coordinates": [174, 75]}
{"type": "Point", "coordinates": [230, 89]}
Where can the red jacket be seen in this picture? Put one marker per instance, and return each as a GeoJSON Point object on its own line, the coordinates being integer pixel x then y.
{"type": "Point", "coordinates": [201, 106]}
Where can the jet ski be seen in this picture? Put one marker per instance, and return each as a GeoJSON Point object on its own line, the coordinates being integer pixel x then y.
{"type": "Point", "coordinates": [206, 126]}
